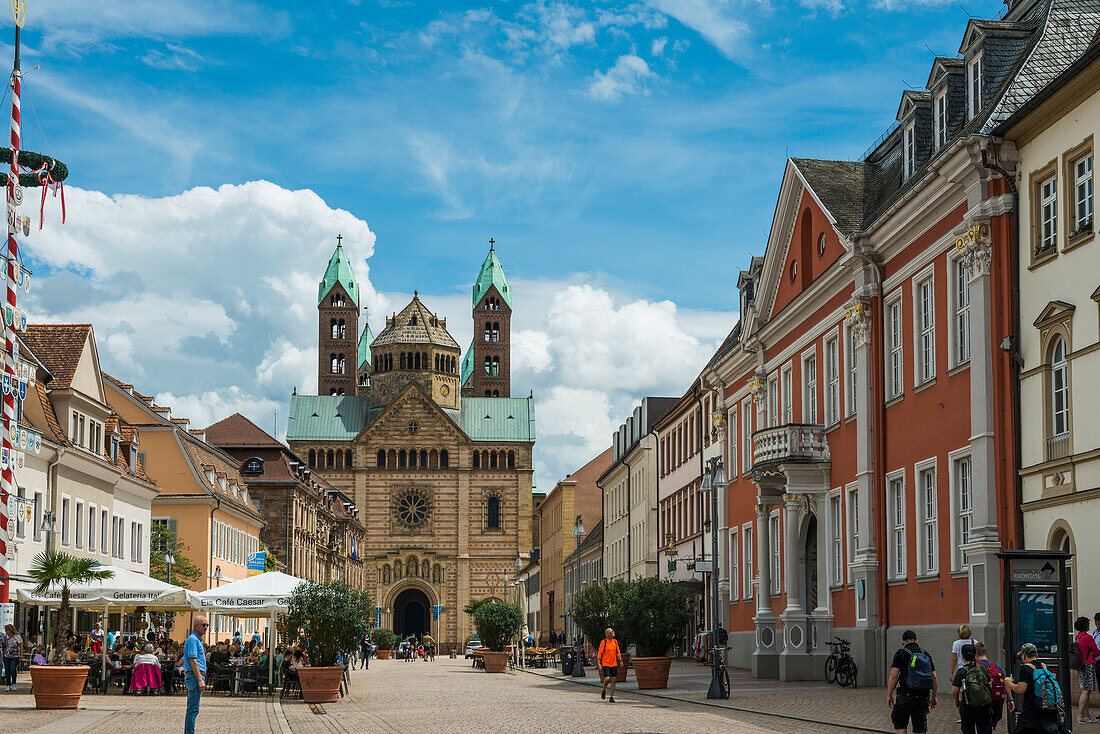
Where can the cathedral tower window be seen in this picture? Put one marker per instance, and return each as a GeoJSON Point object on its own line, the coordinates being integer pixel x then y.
{"type": "Point", "coordinates": [488, 366]}
{"type": "Point", "coordinates": [496, 331]}
{"type": "Point", "coordinates": [511, 459]}
{"type": "Point", "coordinates": [402, 459]}
{"type": "Point", "coordinates": [477, 460]}
{"type": "Point", "coordinates": [417, 361]}
{"type": "Point", "coordinates": [496, 393]}
{"type": "Point", "coordinates": [493, 460]}
{"type": "Point", "coordinates": [381, 458]}
{"type": "Point", "coordinates": [444, 459]}
{"type": "Point", "coordinates": [496, 366]}
{"type": "Point", "coordinates": [335, 363]}
{"type": "Point", "coordinates": [330, 459]}
{"type": "Point", "coordinates": [343, 364]}
{"type": "Point", "coordinates": [333, 328]}
{"type": "Point", "coordinates": [347, 459]}
{"type": "Point", "coordinates": [312, 460]}
{"type": "Point", "coordinates": [492, 513]}
{"type": "Point", "coordinates": [339, 460]}
{"type": "Point", "coordinates": [402, 360]}
{"type": "Point", "coordinates": [391, 459]}
{"type": "Point", "coordinates": [488, 330]}
{"type": "Point", "coordinates": [423, 458]}
{"type": "Point", "coordinates": [412, 459]}
{"type": "Point", "coordinates": [488, 393]}
{"type": "Point", "coordinates": [343, 329]}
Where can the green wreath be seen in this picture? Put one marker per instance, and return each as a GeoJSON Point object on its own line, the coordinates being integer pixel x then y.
{"type": "Point", "coordinates": [29, 159]}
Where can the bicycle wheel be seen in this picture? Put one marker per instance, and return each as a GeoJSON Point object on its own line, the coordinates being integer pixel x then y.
{"type": "Point", "coordinates": [830, 669]}
{"type": "Point", "coordinates": [846, 673]}
{"type": "Point", "coordinates": [725, 683]}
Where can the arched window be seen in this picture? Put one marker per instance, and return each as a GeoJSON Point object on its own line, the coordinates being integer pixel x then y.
{"type": "Point", "coordinates": [412, 322]}
{"type": "Point", "coordinates": [492, 519]}
{"type": "Point", "coordinates": [253, 466]}
{"type": "Point", "coordinates": [343, 329]}
{"type": "Point", "coordinates": [330, 459]}
{"type": "Point", "coordinates": [423, 458]}
{"type": "Point", "coordinates": [496, 331]}
{"type": "Point", "coordinates": [417, 361]}
{"type": "Point", "coordinates": [496, 393]}
{"type": "Point", "coordinates": [437, 363]}
{"type": "Point", "coordinates": [488, 366]}
{"type": "Point", "coordinates": [496, 366]}
{"type": "Point", "coordinates": [381, 458]}
{"type": "Point", "coordinates": [402, 459]}
{"type": "Point", "coordinates": [444, 459]}
{"type": "Point", "coordinates": [340, 391]}
{"type": "Point", "coordinates": [821, 242]}
{"type": "Point", "coordinates": [312, 460]}
{"type": "Point", "coordinates": [488, 330]}
{"type": "Point", "coordinates": [511, 459]}
{"type": "Point", "coordinates": [339, 459]}
{"type": "Point", "coordinates": [493, 460]}
{"type": "Point", "coordinates": [488, 393]}
{"type": "Point", "coordinates": [391, 459]}
{"type": "Point", "coordinates": [402, 360]}
{"type": "Point", "coordinates": [347, 459]}
{"type": "Point", "coordinates": [332, 391]}
{"type": "Point", "coordinates": [477, 460]}
{"type": "Point", "coordinates": [412, 459]}
{"type": "Point", "coordinates": [433, 459]}
{"type": "Point", "coordinates": [335, 329]}
{"type": "Point", "coordinates": [335, 363]}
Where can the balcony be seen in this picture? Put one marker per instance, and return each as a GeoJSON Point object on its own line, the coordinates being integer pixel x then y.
{"type": "Point", "coordinates": [1058, 447]}
{"type": "Point", "coordinates": [802, 443]}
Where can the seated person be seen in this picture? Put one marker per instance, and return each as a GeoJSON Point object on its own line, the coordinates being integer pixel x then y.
{"type": "Point", "coordinates": [256, 653]}
{"type": "Point", "coordinates": [40, 656]}
{"type": "Point", "coordinates": [147, 658]}
{"type": "Point", "coordinates": [73, 653]}
{"type": "Point", "coordinates": [220, 654]}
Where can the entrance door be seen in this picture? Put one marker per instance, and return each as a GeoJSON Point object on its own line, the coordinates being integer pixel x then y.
{"type": "Point", "coordinates": [410, 614]}
{"type": "Point", "coordinates": [810, 574]}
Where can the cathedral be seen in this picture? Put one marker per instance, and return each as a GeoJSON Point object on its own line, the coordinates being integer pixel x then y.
{"type": "Point", "coordinates": [431, 445]}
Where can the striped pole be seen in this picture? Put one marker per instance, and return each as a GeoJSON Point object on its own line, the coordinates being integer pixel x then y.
{"type": "Point", "coordinates": [7, 476]}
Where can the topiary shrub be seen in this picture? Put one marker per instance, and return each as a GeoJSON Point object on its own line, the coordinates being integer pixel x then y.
{"type": "Point", "coordinates": [497, 623]}
{"type": "Point", "coordinates": [332, 616]}
{"type": "Point", "coordinates": [652, 614]}
{"type": "Point", "coordinates": [595, 608]}
{"type": "Point", "coordinates": [383, 639]}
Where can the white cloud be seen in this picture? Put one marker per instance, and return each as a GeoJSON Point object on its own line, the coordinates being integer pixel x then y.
{"type": "Point", "coordinates": [715, 20]}
{"type": "Point", "coordinates": [202, 409]}
{"type": "Point", "coordinates": [627, 76]}
{"type": "Point", "coordinates": [906, 4]}
{"type": "Point", "coordinates": [658, 46]}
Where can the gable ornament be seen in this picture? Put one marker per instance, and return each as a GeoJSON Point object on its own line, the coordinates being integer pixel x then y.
{"type": "Point", "coordinates": [976, 249]}
{"type": "Point", "coordinates": [857, 316]}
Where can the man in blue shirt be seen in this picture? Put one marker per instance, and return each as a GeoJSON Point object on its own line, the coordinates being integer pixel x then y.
{"type": "Point", "coordinates": [194, 671]}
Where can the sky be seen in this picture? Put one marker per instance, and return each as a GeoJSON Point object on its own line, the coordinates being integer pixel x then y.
{"type": "Point", "coordinates": [625, 156]}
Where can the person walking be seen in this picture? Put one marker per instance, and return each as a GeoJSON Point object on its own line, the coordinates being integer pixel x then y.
{"type": "Point", "coordinates": [609, 658]}
{"type": "Point", "coordinates": [13, 645]}
{"type": "Point", "coordinates": [971, 688]}
{"type": "Point", "coordinates": [194, 667]}
{"type": "Point", "coordinates": [965, 637]}
{"type": "Point", "coordinates": [364, 651]}
{"type": "Point", "coordinates": [1086, 677]}
{"type": "Point", "coordinates": [996, 683]}
{"type": "Point", "coordinates": [913, 677]}
{"type": "Point", "coordinates": [1034, 683]}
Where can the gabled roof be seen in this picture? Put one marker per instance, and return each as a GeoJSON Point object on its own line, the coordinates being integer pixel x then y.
{"type": "Point", "coordinates": [492, 273]}
{"type": "Point", "coordinates": [839, 187]}
{"type": "Point", "coordinates": [327, 417]}
{"type": "Point", "coordinates": [943, 65]}
{"type": "Point", "coordinates": [415, 325]}
{"type": "Point", "coordinates": [236, 430]}
{"type": "Point", "coordinates": [498, 419]}
{"type": "Point", "coordinates": [911, 98]}
{"type": "Point", "coordinates": [58, 347]}
{"type": "Point", "coordinates": [338, 271]}
{"type": "Point", "coordinates": [365, 340]}
{"type": "Point", "coordinates": [467, 364]}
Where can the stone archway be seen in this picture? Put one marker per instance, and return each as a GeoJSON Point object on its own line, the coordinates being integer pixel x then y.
{"type": "Point", "coordinates": [411, 606]}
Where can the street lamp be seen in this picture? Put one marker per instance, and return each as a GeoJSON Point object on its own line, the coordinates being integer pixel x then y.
{"type": "Point", "coordinates": [714, 481]}
{"type": "Point", "coordinates": [49, 527]}
{"type": "Point", "coordinates": [169, 561]}
{"type": "Point", "coordinates": [578, 650]}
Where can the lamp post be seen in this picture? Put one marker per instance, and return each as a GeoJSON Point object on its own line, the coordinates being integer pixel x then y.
{"type": "Point", "coordinates": [714, 482]}
{"type": "Point", "coordinates": [169, 561]}
{"type": "Point", "coordinates": [578, 653]}
{"type": "Point", "coordinates": [217, 583]}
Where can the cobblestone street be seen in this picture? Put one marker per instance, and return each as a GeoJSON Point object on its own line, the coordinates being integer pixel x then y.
{"type": "Point", "coordinates": [450, 696]}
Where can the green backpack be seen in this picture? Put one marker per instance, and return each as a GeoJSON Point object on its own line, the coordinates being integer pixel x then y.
{"type": "Point", "coordinates": [976, 686]}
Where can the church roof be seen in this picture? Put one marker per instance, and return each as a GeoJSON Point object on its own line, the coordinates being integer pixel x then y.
{"type": "Point", "coordinates": [492, 273]}
{"type": "Point", "coordinates": [338, 271]}
{"type": "Point", "coordinates": [237, 431]}
{"type": "Point", "coordinates": [415, 325]}
{"type": "Point", "coordinates": [326, 417]}
{"type": "Point", "coordinates": [498, 419]}
{"type": "Point", "coordinates": [365, 340]}
{"type": "Point", "coordinates": [467, 364]}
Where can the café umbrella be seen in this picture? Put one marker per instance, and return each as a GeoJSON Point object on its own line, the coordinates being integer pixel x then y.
{"type": "Point", "coordinates": [261, 596]}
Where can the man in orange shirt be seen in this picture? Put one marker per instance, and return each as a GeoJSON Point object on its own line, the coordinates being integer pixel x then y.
{"type": "Point", "coordinates": [610, 658]}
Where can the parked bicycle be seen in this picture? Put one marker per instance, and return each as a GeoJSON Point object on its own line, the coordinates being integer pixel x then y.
{"type": "Point", "coordinates": [840, 668]}
{"type": "Point", "coordinates": [724, 676]}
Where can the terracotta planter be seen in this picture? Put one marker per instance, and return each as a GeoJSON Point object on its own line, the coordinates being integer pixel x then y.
{"type": "Point", "coordinates": [652, 672]}
{"type": "Point", "coordinates": [321, 684]}
{"type": "Point", "coordinates": [621, 674]}
{"type": "Point", "coordinates": [495, 662]}
{"type": "Point", "coordinates": [382, 654]}
{"type": "Point", "coordinates": [58, 686]}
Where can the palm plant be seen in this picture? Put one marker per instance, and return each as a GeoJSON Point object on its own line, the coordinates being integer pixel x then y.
{"type": "Point", "coordinates": [58, 568]}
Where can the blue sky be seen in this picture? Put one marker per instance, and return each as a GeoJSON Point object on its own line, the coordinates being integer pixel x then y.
{"type": "Point", "coordinates": [628, 151]}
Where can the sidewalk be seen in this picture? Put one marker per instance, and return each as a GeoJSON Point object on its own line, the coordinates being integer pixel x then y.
{"type": "Point", "coordinates": [862, 709]}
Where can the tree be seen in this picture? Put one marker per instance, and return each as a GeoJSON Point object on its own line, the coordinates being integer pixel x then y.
{"type": "Point", "coordinates": [652, 614]}
{"type": "Point", "coordinates": [594, 608]}
{"type": "Point", "coordinates": [333, 617]}
{"type": "Point", "coordinates": [162, 539]}
{"type": "Point", "coordinates": [60, 569]}
{"type": "Point", "coordinates": [497, 623]}
{"type": "Point", "coordinates": [473, 605]}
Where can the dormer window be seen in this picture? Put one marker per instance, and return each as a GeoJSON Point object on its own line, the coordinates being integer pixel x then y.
{"type": "Point", "coordinates": [974, 86]}
{"type": "Point", "coordinates": [939, 113]}
{"type": "Point", "coordinates": [910, 144]}
{"type": "Point", "coordinates": [253, 466]}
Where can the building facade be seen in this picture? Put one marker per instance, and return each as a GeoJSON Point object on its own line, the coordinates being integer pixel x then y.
{"type": "Point", "coordinates": [444, 480]}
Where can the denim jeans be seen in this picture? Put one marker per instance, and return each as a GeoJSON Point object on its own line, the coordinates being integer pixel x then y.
{"type": "Point", "coordinates": [193, 697]}
{"type": "Point", "coordinates": [11, 665]}
{"type": "Point", "coordinates": [974, 722]}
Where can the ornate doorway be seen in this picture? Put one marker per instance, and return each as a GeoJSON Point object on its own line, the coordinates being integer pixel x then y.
{"type": "Point", "coordinates": [411, 610]}
{"type": "Point", "coordinates": [809, 574]}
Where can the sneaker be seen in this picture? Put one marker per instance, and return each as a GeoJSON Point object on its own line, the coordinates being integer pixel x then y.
{"type": "Point", "coordinates": [612, 699]}
{"type": "Point", "coordinates": [603, 693]}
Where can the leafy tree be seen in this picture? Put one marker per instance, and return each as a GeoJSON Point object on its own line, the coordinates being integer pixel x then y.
{"type": "Point", "coordinates": [652, 614]}
{"type": "Point", "coordinates": [383, 639]}
{"type": "Point", "coordinates": [473, 605]}
{"type": "Point", "coordinates": [334, 617]}
{"type": "Point", "coordinates": [594, 609]}
{"type": "Point", "coordinates": [497, 623]}
{"type": "Point", "coordinates": [161, 540]}
{"type": "Point", "coordinates": [270, 562]}
{"type": "Point", "coordinates": [58, 569]}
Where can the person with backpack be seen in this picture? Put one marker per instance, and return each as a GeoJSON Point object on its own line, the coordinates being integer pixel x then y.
{"type": "Point", "coordinates": [913, 677]}
{"type": "Point", "coordinates": [973, 693]}
{"type": "Point", "coordinates": [1040, 712]}
{"type": "Point", "coordinates": [996, 683]}
{"type": "Point", "coordinates": [1088, 654]}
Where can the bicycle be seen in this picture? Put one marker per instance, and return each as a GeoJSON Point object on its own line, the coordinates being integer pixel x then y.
{"type": "Point", "coordinates": [723, 675]}
{"type": "Point", "coordinates": [840, 668]}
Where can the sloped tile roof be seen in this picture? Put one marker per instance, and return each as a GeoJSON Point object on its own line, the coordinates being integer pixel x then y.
{"type": "Point", "coordinates": [839, 186]}
{"type": "Point", "coordinates": [236, 430]}
{"type": "Point", "coordinates": [415, 325]}
{"type": "Point", "coordinates": [327, 417]}
{"type": "Point", "coordinates": [492, 273]}
{"type": "Point", "coordinates": [338, 271]}
{"type": "Point", "coordinates": [498, 419]}
{"type": "Point", "coordinates": [58, 347]}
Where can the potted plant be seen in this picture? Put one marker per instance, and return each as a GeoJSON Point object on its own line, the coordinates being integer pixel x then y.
{"type": "Point", "coordinates": [58, 686]}
{"type": "Point", "coordinates": [333, 619]}
{"type": "Point", "coordinates": [653, 615]}
{"type": "Point", "coordinates": [383, 640]}
{"type": "Point", "coordinates": [594, 609]}
{"type": "Point", "coordinates": [497, 623]}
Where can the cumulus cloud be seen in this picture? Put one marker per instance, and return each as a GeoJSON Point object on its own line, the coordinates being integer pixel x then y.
{"type": "Point", "coordinates": [657, 48]}
{"type": "Point", "coordinates": [627, 76]}
{"type": "Point", "coordinates": [717, 21]}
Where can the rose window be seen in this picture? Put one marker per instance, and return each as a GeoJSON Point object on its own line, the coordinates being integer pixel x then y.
{"type": "Point", "coordinates": [412, 510]}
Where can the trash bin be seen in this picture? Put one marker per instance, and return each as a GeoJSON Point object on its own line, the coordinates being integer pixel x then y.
{"type": "Point", "coordinates": [568, 658]}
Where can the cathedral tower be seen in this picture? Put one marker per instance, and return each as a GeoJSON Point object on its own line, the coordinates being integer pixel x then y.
{"type": "Point", "coordinates": [486, 369]}
{"type": "Point", "coordinates": [416, 347]}
{"type": "Point", "coordinates": [337, 327]}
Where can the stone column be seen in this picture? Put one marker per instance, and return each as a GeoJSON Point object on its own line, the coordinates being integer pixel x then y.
{"type": "Point", "coordinates": [765, 659]}
{"type": "Point", "coordinates": [792, 506]}
{"type": "Point", "coordinates": [975, 247]}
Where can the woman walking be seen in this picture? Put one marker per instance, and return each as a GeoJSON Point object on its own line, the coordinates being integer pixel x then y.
{"type": "Point", "coordinates": [13, 643]}
{"type": "Point", "coordinates": [1086, 679]}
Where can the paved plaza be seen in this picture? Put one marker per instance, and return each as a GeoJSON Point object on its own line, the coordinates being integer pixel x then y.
{"type": "Point", "coordinates": [450, 696]}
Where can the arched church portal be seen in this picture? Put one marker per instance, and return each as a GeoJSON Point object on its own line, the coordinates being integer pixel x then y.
{"type": "Point", "coordinates": [412, 613]}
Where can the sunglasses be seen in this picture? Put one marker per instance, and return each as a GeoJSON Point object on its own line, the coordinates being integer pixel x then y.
{"type": "Point", "coordinates": [204, 624]}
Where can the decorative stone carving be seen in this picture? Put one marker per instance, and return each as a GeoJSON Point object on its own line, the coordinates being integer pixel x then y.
{"type": "Point", "coordinates": [397, 570]}
{"type": "Point", "coordinates": [386, 578]}
{"type": "Point", "coordinates": [412, 510]}
{"type": "Point", "coordinates": [758, 388]}
{"type": "Point", "coordinates": [437, 574]}
{"type": "Point", "coordinates": [414, 567]}
{"type": "Point", "coordinates": [858, 317]}
{"type": "Point", "coordinates": [425, 570]}
{"type": "Point", "coordinates": [976, 248]}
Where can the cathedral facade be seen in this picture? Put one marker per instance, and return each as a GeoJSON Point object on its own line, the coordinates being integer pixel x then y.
{"type": "Point", "coordinates": [431, 446]}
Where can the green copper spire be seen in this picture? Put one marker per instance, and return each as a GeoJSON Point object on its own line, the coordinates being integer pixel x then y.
{"type": "Point", "coordinates": [492, 274]}
{"type": "Point", "coordinates": [338, 271]}
{"type": "Point", "coordinates": [467, 365]}
{"type": "Point", "coordinates": [365, 340]}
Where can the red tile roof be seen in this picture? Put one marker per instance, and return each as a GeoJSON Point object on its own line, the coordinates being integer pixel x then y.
{"type": "Point", "coordinates": [236, 430]}
{"type": "Point", "coordinates": [58, 348]}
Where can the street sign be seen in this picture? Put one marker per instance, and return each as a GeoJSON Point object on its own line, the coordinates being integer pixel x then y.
{"type": "Point", "coordinates": [436, 611]}
{"type": "Point", "coordinates": [704, 566]}
{"type": "Point", "coordinates": [256, 563]}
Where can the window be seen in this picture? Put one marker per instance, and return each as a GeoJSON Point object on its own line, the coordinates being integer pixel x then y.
{"type": "Point", "coordinates": [788, 396]}
{"type": "Point", "coordinates": [809, 389]}
{"type": "Point", "coordinates": [895, 368]}
{"type": "Point", "coordinates": [493, 513]}
{"type": "Point", "coordinates": [832, 380]}
{"type": "Point", "coordinates": [1082, 193]}
{"type": "Point", "coordinates": [974, 86]}
{"type": "Point", "coordinates": [926, 505]}
{"type": "Point", "coordinates": [380, 460]}
{"type": "Point", "coordinates": [103, 542]}
{"type": "Point", "coordinates": [91, 527]}
{"type": "Point", "coordinates": [65, 521]}
{"type": "Point", "coordinates": [939, 111]}
{"type": "Point", "coordinates": [78, 525]}
{"type": "Point", "coordinates": [821, 243]}
{"type": "Point", "coordinates": [254, 466]}
{"type": "Point", "coordinates": [748, 576]}
{"type": "Point", "coordinates": [777, 552]}
{"type": "Point", "coordinates": [773, 401]}
{"type": "Point", "coordinates": [746, 435]}
{"type": "Point", "coordinates": [836, 539]}
{"type": "Point", "coordinates": [964, 506]}
{"type": "Point", "coordinates": [850, 370]}
{"type": "Point", "coordinates": [853, 522]}
{"type": "Point", "coordinates": [895, 511]}
{"type": "Point", "coordinates": [731, 422]}
{"type": "Point", "coordinates": [910, 151]}
{"type": "Point", "coordinates": [925, 307]}
{"type": "Point", "coordinates": [1059, 389]}
{"type": "Point", "coordinates": [962, 311]}
{"type": "Point", "coordinates": [444, 459]}
{"type": "Point", "coordinates": [734, 588]}
{"type": "Point", "coordinates": [1048, 214]}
